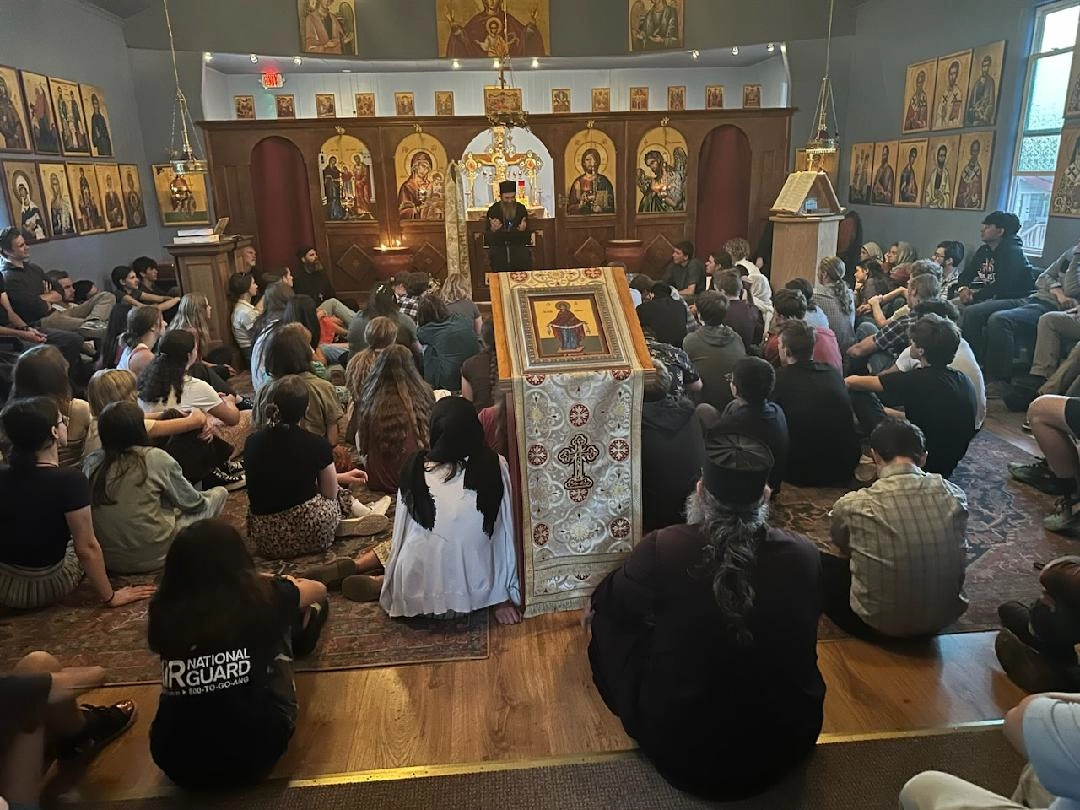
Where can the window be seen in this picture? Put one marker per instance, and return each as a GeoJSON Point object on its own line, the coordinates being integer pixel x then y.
{"type": "Point", "coordinates": [1040, 134]}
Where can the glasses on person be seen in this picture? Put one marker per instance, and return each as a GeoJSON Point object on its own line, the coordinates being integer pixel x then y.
{"type": "Point", "coordinates": [63, 420]}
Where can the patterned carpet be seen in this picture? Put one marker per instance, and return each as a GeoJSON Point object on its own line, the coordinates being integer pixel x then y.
{"type": "Point", "coordinates": [356, 635]}
{"type": "Point", "coordinates": [1005, 532]}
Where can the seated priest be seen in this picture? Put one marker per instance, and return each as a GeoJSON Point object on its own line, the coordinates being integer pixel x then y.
{"type": "Point", "coordinates": [704, 641]}
{"type": "Point", "coordinates": [510, 220]}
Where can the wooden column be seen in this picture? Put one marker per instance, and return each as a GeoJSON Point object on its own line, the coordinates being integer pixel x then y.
{"type": "Point", "coordinates": [206, 269]}
{"type": "Point", "coordinates": [799, 243]}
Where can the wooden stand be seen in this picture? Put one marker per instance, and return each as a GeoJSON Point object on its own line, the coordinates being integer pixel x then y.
{"type": "Point", "coordinates": [799, 243]}
{"type": "Point", "coordinates": [205, 268]}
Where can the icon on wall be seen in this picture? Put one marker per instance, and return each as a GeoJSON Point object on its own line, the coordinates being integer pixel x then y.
{"type": "Point", "coordinates": [14, 128]}
{"type": "Point", "coordinates": [468, 29]}
{"type": "Point", "coordinates": [325, 105]}
{"type": "Point", "coordinates": [751, 96]}
{"type": "Point", "coordinates": [444, 102]}
{"type": "Point", "coordinates": [70, 117]}
{"type": "Point", "coordinates": [43, 130]}
{"type": "Point", "coordinates": [327, 26]}
{"type": "Point", "coordinates": [601, 99]}
{"type": "Point", "coordinates": [404, 104]}
{"type": "Point", "coordinates": [25, 201]}
{"type": "Point", "coordinates": [244, 107]}
{"type": "Point", "coordinates": [714, 97]}
{"type": "Point", "coordinates": [61, 212]}
{"type": "Point", "coordinates": [285, 105]}
{"type": "Point", "coordinates": [656, 25]}
{"type": "Point", "coordinates": [560, 100]}
{"type": "Point", "coordinates": [364, 104]}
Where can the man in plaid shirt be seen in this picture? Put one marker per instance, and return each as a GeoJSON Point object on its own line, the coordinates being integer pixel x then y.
{"type": "Point", "coordinates": [900, 570]}
{"type": "Point", "coordinates": [880, 350]}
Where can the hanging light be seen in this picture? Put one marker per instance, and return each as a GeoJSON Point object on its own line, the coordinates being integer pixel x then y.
{"type": "Point", "coordinates": [824, 132]}
{"type": "Point", "coordinates": [182, 156]}
{"type": "Point", "coordinates": [735, 51]}
{"type": "Point", "coordinates": [770, 47]}
{"type": "Point", "coordinates": [456, 65]}
{"type": "Point", "coordinates": [254, 59]}
{"type": "Point", "coordinates": [296, 60]}
{"type": "Point", "coordinates": [695, 54]}
{"type": "Point", "coordinates": [535, 62]}
{"type": "Point", "coordinates": [208, 57]}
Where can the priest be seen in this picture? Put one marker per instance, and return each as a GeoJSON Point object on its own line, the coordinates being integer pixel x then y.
{"type": "Point", "coordinates": [507, 234]}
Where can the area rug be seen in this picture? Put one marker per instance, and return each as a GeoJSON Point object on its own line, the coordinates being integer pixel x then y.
{"type": "Point", "coordinates": [1005, 532]}
{"type": "Point", "coordinates": [837, 777]}
{"type": "Point", "coordinates": [357, 635]}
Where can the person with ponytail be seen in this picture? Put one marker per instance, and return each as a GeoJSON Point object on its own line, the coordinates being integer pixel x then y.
{"type": "Point", "coordinates": [47, 542]}
{"type": "Point", "coordinates": [836, 299]}
{"type": "Point", "coordinates": [296, 504]}
{"type": "Point", "coordinates": [480, 373]}
{"type": "Point", "coordinates": [242, 289]}
{"type": "Point", "coordinates": [224, 725]}
{"type": "Point", "coordinates": [144, 326]}
{"type": "Point", "coordinates": [380, 334]}
{"type": "Point", "coordinates": [704, 641]}
{"type": "Point", "coordinates": [139, 497]}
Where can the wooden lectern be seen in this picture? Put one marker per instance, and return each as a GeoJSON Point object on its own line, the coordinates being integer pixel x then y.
{"type": "Point", "coordinates": [205, 268]}
{"type": "Point", "coordinates": [806, 224]}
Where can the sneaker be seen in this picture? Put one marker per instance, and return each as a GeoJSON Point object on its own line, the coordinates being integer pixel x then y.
{"type": "Point", "coordinates": [1016, 618]}
{"type": "Point", "coordinates": [380, 506]}
{"type": "Point", "coordinates": [223, 478]}
{"type": "Point", "coordinates": [1064, 520]}
{"type": "Point", "coordinates": [1025, 667]}
{"type": "Point", "coordinates": [103, 725]}
{"type": "Point", "coordinates": [245, 404]}
{"type": "Point", "coordinates": [865, 470]}
{"type": "Point", "coordinates": [362, 588]}
{"type": "Point", "coordinates": [331, 574]}
{"type": "Point", "coordinates": [1040, 476]}
{"type": "Point", "coordinates": [235, 467]}
{"type": "Point", "coordinates": [1026, 427]}
{"type": "Point", "coordinates": [362, 526]}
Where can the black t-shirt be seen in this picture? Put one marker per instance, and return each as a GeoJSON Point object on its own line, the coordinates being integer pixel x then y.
{"type": "Point", "coordinates": [282, 466]}
{"type": "Point", "coordinates": [316, 284]}
{"type": "Point", "coordinates": [941, 401]}
{"type": "Point", "coordinates": [136, 294]}
{"type": "Point", "coordinates": [25, 286]}
{"type": "Point", "coordinates": [213, 698]}
{"type": "Point", "coordinates": [665, 317]}
{"type": "Point", "coordinates": [33, 504]}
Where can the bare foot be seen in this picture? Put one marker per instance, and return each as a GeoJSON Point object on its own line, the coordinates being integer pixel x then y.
{"type": "Point", "coordinates": [507, 613]}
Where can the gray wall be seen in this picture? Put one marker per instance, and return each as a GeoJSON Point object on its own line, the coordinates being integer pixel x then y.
{"type": "Point", "coordinates": [879, 58]}
{"type": "Point", "coordinates": [70, 40]}
{"type": "Point", "coordinates": [405, 29]}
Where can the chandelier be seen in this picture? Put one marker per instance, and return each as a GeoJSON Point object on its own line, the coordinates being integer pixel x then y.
{"type": "Point", "coordinates": [507, 118]}
{"type": "Point", "coordinates": [821, 142]}
{"type": "Point", "coordinates": [182, 157]}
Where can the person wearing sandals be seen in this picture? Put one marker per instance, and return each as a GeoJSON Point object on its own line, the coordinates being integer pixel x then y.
{"type": "Point", "coordinates": [453, 548]}
{"type": "Point", "coordinates": [295, 503]}
{"type": "Point", "coordinates": [47, 541]}
{"type": "Point", "coordinates": [227, 636]}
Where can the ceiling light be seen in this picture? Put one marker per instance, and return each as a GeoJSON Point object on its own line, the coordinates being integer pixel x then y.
{"type": "Point", "coordinates": [535, 62]}
{"type": "Point", "coordinates": [694, 54]}
{"type": "Point", "coordinates": [496, 63]}
{"type": "Point", "coordinates": [208, 57]}
{"type": "Point", "coordinates": [253, 58]}
{"type": "Point", "coordinates": [296, 60]}
{"type": "Point", "coordinates": [770, 47]}
{"type": "Point", "coordinates": [456, 65]}
{"type": "Point", "coordinates": [346, 70]}
{"type": "Point", "coordinates": [735, 51]}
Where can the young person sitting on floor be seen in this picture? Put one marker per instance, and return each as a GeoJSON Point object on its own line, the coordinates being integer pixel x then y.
{"type": "Point", "coordinates": [815, 316]}
{"type": "Point", "coordinates": [453, 548]}
{"type": "Point", "coordinates": [480, 373]}
{"type": "Point", "coordinates": [742, 315]}
{"type": "Point", "coordinates": [459, 303]}
{"type": "Point", "coordinates": [823, 444]}
{"type": "Point", "coordinates": [393, 417]}
{"type": "Point", "coordinates": [274, 300]}
{"type": "Point", "coordinates": [383, 303]}
{"type": "Point", "coordinates": [715, 348]}
{"type": "Point", "coordinates": [937, 398]}
{"type": "Point", "coordinates": [242, 290]}
{"type": "Point", "coordinates": [1054, 422]}
{"type": "Point", "coordinates": [295, 503]}
{"type": "Point", "coordinates": [42, 371]}
{"type": "Point", "coordinates": [139, 497]}
{"type": "Point", "coordinates": [42, 718]}
{"type": "Point", "coordinates": [448, 341]}
{"type": "Point", "coordinates": [193, 315]}
{"type": "Point", "coordinates": [790, 305]}
{"type": "Point", "coordinates": [671, 454]}
{"type": "Point", "coordinates": [1037, 648]}
{"type": "Point", "coordinates": [663, 315]}
{"type": "Point", "coordinates": [45, 522]}
{"type": "Point", "coordinates": [113, 385]}
{"type": "Point", "coordinates": [900, 571]}
{"type": "Point", "coordinates": [128, 290]}
{"type": "Point", "coordinates": [326, 352]}
{"type": "Point", "coordinates": [878, 350]}
{"type": "Point", "coordinates": [227, 636]}
{"type": "Point", "coordinates": [145, 326]}
{"type": "Point", "coordinates": [1043, 728]}
{"type": "Point", "coordinates": [704, 640]}
{"type": "Point", "coordinates": [836, 299]}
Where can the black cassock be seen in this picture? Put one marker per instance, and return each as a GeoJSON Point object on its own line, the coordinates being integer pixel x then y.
{"type": "Point", "coordinates": [508, 248]}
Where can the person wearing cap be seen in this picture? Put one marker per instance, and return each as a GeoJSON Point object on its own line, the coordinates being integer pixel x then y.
{"type": "Point", "coordinates": [997, 277]}
{"type": "Point", "coordinates": [901, 542]}
{"type": "Point", "coordinates": [509, 218]}
{"type": "Point", "coordinates": [703, 641]}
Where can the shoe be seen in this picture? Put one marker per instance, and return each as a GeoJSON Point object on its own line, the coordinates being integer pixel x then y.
{"type": "Point", "coordinates": [1025, 667]}
{"type": "Point", "coordinates": [1040, 476]}
{"type": "Point", "coordinates": [380, 506]}
{"type": "Point", "coordinates": [865, 470]}
{"type": "Point", "coordinates": [1026, 427]}
{"type": "Point", "coordinates": [362, 526]}
{"type": "Point", "coordinates": [1064, 520]}
{"type": "Point", "coordinates": [103, 725]}
{"type": "Point", "coordinates": [235, 467]}
{"type": "Point", "coordinates": [245, 404]}
{"type": "Point", "coordinates": [331, 574]}
{"type": "Point", "coordinates": [1016, 618]}
{"type": "Point", "coordinates": [223, 478]}
{"type": "Point", "coordinates": [362, 588]}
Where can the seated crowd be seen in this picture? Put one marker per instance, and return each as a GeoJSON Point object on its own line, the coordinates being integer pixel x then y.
{"type": "Point", "coordinates": [123, 409]}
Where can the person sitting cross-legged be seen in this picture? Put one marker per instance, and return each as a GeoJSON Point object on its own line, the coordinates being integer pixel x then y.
{"type": "Point", "coordinates": [878, 350]}
{"type": "Point", "coordinates": [715, 348]}
{"type": "Point", "coordinates": [791, 305]}
{"type": "Point", "coordinates": [823, 443]}
{"type": "Point", "coordinates": [703, 642]}
{"type": "Point", "coordinates": [1054, 422]}
{"type": "Point", "coordinates": [663, 315]}
{"type": "Point", "coordinates": [937, 398]}
{"type": "Point", "coordinates": [900, 571]}
{"type": "Point", "coordinates": [742, 315]}
{"type": "Point", "coordinates": [815, 316]}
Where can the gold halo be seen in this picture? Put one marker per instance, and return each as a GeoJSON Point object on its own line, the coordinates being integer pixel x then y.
{"type": "Point", "coordinates": [600, 148]}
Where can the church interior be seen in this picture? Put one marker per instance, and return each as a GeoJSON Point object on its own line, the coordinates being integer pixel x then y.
{"type": "Point", "coordinates": [573, 177]}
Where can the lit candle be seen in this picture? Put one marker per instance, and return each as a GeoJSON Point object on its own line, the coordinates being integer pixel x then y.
{"type": "Point", "coordinates": [397, 243]}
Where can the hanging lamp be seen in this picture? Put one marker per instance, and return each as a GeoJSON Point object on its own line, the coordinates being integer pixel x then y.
{"type": "Point", "coordinates": [824, 130]}
{"type": "Point", "coordinates": [182, 156]}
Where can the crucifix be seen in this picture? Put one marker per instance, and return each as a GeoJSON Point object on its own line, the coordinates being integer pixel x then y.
{"type": "Point", "coordinates": [502, 160]}
{"type": "Point", "coordinates": [577, 455]}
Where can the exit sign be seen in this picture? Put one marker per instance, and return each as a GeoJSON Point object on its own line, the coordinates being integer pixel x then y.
{"type": "Point", "coordinates": [272, 80]}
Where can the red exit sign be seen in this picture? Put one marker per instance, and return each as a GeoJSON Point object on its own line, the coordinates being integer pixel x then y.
{"type": "Point", "coordinates": [272, 80]}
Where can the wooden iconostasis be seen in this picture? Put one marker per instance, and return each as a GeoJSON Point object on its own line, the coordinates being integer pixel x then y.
{"type": "Point", "coordinates": [348, 185]}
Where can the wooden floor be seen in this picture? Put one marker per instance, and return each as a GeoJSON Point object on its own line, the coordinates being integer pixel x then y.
{"type": "Point", "coordinates": [533, 698]}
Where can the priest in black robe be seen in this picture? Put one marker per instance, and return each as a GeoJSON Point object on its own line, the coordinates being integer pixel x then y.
{"type": "Point", "coordinates": [704, 642]}
{"type": "Point", "coordinates": [507, 232]}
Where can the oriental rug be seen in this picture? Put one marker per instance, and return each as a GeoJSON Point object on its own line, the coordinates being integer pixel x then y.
{"type": "Point", "coordinates": [576, 381]}
{"type": "Point", "coordinates": [356, 635]}
{"type": "Point", "coordinates": [1005, 532]}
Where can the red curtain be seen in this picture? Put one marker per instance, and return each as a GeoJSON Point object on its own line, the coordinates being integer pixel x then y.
{"type": "Point", "coordinates": [279, 183]}
{"type": "Point", "coordinates": [723, 204]}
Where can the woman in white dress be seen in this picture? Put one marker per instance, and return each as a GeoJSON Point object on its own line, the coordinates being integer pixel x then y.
{"type": "Point", "coordinates": [452, 550]}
